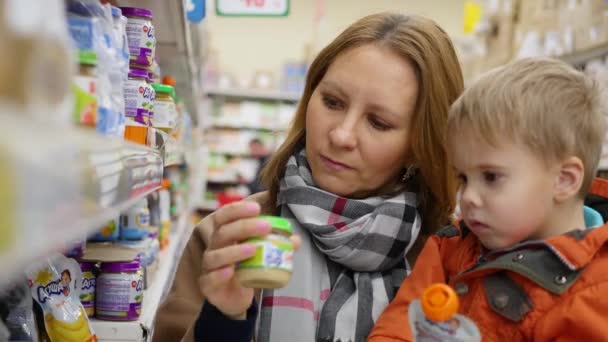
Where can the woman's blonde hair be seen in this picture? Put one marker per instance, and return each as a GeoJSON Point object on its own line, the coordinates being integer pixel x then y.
{"type": "Point", "coordinates": [428, 48]}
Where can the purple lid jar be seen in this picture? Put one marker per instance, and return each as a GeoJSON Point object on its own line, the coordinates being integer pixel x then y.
{"type": "Point", "coordinates": [138, 73]}
{"type": "Point", "coordinates": [140, 35]}
{"type": "Point", "coordinates": [119, 291]}
{"type": "Point", "coordinates": [139, 97]}
{"type": "Point", "coordinates": [136, 12]}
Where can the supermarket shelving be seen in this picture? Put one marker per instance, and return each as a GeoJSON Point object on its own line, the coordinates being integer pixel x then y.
{"type": "Point", "coordinates": [254, 94]}
{"type": "Point", "coordinates": [142, 329]}
{"type": "Point", "coordinates": [60, 184]}
{"type": "Point", "coordinates": [579, 58]}
{"type": "Point", "coordinates": [252, 128]}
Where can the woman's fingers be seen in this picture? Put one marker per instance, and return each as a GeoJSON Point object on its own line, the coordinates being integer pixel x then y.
{"type": "Point", "coordinates": [235, 211]}
{"type": "Point", "coordinates": [297, 242]}
{"type": "Point", "coordinates": [227, 256]}
{"type": "Point", "coordinates": [211, 281]}
{"type": "Point", "coordinates": [239, 230]}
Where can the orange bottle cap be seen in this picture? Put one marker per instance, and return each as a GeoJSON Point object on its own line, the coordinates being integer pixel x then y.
{"type": "Point", "coordinates": [169, 80]}
{"type": "Point", "coordinates": [440, 302]}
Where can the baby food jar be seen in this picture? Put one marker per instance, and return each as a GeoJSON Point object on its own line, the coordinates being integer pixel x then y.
{"type": "Point", "coordinates": [272, 264]}
{"type": "Point", "coordinates": [165, 114]}
{"type": "Point", "coordinates": [85, 90]}
{"type": "Point", "coordinates": [140, 35]}
{"type": "Point", "coordinates": [139, 102]}
{"type": "Point", "coordinates": [119, 291]}
{"type": "Point", "coordinates": [87, 289]}
{"type": "Point", "coordinates": [135, 223]}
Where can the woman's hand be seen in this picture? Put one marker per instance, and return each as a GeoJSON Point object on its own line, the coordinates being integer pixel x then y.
{"type": "Point", "coordinates": [233, 224]}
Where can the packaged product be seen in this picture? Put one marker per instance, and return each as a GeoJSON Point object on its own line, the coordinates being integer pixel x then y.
{"type": "Point", "coordinates": [119, 291]}
{"type": "Point", "coordinates": [55, 285]}
{"type": "Point", "coordinates": [434, 317]}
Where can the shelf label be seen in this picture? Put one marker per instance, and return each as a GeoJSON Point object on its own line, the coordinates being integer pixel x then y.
{"type": "Point", "coordinates": [252, 8]}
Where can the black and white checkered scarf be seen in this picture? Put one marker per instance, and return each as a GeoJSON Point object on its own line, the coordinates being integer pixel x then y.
{"type": "Point", "coordinates": [351, 262]}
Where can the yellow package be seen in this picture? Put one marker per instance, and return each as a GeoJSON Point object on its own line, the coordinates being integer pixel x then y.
{"type": "Point", "coordinates": [55, 285]}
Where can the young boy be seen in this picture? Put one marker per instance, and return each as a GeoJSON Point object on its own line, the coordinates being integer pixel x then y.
{"type": "Point", "coordinates": [525, 141]}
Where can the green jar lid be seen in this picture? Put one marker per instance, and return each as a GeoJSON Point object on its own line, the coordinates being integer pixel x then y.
{"type": "Point", "coordinates": [87, 57]}
{"type": "Point", "coordinates": [162, 88]}
{"type": "Point", "coordinates": [278, 223]}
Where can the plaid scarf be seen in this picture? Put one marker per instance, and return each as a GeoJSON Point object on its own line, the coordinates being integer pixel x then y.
{"type": "Point", "coordinates": [351, 262]}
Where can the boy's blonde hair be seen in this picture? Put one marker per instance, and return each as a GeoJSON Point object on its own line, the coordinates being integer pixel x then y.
{"type": "Point", "coordinates": [543, 103]}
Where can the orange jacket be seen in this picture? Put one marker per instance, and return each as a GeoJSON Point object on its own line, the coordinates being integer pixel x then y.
{"type": "Point", "coordinates": [556, 289]}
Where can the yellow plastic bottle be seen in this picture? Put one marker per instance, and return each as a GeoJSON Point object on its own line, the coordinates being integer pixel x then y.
{"type": "Point", "coordinates": [434, 317]}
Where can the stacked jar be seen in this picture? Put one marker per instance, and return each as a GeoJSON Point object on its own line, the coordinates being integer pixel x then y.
{"type": "Point", "coordinates": [139, 95]}
{"type": "Point", "coordinates": [119, 291]}
{"type": "Point", "coordinates": [139, 104]}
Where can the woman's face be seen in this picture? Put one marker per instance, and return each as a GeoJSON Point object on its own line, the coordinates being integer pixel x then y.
{"type": "Point", "coordinates": [358, 121]}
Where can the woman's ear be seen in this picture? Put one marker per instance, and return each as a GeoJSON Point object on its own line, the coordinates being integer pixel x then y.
{"type": "Point", "coordinates": [569, 179]}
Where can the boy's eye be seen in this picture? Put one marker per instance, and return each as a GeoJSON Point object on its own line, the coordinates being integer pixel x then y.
{"type": "Point", "coordinates": [332, 103]}
{"type": "Point", "coordinates": [490, 177]}
{"type": "Point", "coordinates": [462, 179]}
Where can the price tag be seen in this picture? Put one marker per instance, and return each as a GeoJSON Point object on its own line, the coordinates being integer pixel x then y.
{"type": "Point", "coordinates": [252, 8]}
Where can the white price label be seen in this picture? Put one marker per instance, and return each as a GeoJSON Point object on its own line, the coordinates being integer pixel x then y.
{"type": "Point", "coordinates": [252, 7]}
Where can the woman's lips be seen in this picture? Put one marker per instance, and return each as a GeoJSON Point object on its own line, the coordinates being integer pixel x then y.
{"type": "Point", "coordinates": [334, 165]}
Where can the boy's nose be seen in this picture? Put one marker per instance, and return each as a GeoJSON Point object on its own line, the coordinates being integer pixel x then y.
{"type": "Point", "coordinates": [469, 198]}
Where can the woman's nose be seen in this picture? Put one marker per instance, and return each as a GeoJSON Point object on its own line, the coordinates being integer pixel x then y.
{"type": "Point", "coordinates": [344, 134]}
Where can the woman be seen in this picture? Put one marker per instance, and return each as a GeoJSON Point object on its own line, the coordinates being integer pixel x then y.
{"type": "Point", "coordinates": [364, 179]}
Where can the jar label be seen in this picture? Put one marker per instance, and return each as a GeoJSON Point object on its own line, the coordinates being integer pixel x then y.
{"type": "Point", "coordinates": [275, 251]}
{"type": "Point", "coordinates": [165, 114]}
{"type": "Point", "coordinates": [139, 101]}
{"type": "Point", "coordinates": [142, 41]}
{"type": "Point", "coordinates": [87, 292]}
{"type": "Point", "coordinates": [119, 295]}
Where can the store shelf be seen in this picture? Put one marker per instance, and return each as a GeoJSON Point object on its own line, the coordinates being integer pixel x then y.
{"type": "Point", "coordinates": [59, 185]}
{"type": "Point", "coordinates": [225, 181]}
{"type": "Point", "coordinates": [255, 94]}
{"type": "Point", "coordinates": [247, 128]}
{"type": "Point", "coordinates": [232, 154]}
{"type": "Point", "coordinates": [579, 58]}
{"type": "Point", "coordinates": [142, 329]}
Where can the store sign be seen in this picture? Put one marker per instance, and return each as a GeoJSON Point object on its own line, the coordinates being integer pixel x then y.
{"type": "Point", "coordinates": [252, 8]}
{"type": "Point", "coordinates": [195, 10]}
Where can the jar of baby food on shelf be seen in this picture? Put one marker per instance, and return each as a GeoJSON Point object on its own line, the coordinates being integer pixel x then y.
{"type": "Point", "coordinates": [119, 291]}
{"type": "Point", "coordinates": [135, 222]}
{"type": "Point", "coordinates": [165, 114]}
{"type": "Point", "coordinates": [85, 89]}
{"type": "Point", "coordinates": [140, 34]}
{"type": "Point", "coordinates": [139, 101]}
{"type": "Point", "coordinates": [272, 264]}
{"type": "Point", "coordinates": [87, 289]}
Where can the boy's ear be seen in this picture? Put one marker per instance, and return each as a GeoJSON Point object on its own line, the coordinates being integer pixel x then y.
{"type": "Point", "coordinates": [569, 179]}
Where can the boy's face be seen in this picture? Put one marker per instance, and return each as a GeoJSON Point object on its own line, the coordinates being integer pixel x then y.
{"type": "Point", "coordinates": [506, 192]}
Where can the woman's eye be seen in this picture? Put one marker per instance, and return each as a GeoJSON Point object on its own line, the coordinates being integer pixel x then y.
{"type": "Point", "coordinates": [462, 179]}
{"type": "Point", "coordinates": [379, 124]}
{"type": "Point", "coordinates": [332, 103]}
